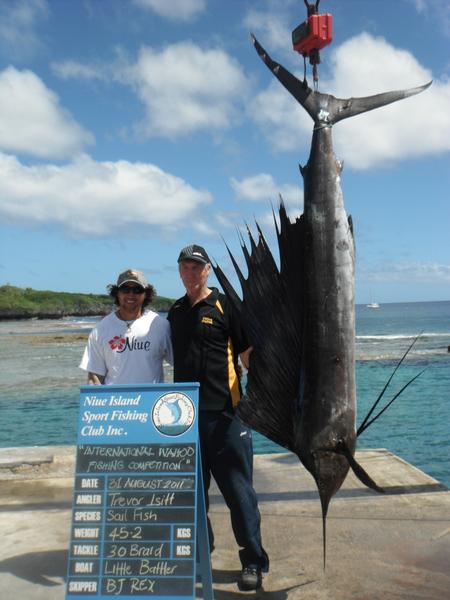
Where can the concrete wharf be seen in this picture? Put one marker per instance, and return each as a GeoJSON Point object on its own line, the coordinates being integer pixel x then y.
{"type": "Point", "coordinates": [392, 546]}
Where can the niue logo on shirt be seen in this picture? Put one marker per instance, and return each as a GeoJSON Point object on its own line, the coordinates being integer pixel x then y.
{"type": "Point", "coordinates": [120, 344]}
{"type": "Point", "coordinates": [173, 413]}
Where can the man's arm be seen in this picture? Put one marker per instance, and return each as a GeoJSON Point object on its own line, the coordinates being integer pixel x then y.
{"type": "Point", "coordinates": [93, 358]}
{"type": "Point", "coordinates": [95, 379]}
{"type": "Point", "coordinates": [236, 332]}
{"type": "Point", "coordinates": [245, 357]}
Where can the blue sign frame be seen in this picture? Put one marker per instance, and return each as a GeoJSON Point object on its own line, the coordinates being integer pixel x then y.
{"type": "Point", "coordinates": [139, 518]}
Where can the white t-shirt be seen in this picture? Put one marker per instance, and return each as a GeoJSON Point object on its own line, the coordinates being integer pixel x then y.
{"type": "Point", "coordinates": [129, 353]}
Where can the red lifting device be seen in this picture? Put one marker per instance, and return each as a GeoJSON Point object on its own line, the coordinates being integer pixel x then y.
{"type": "Point", "coordinates": [313, 35]}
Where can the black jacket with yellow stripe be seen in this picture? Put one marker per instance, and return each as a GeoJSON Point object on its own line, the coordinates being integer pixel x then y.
{"type": "Point", "coordinates": [207, 339]}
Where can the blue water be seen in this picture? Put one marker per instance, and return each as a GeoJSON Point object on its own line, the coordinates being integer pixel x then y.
{"type": "Point", "coordinates": [39, 382]}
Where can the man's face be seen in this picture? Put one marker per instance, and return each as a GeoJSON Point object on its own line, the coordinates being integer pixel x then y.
{"type": "Point", "coordinates": [194, 275]}
{"type": "Point", "coordinates": [131, 296]}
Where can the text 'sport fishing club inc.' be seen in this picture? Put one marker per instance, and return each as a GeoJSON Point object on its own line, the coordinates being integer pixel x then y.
{"type": "Point", "coordinates": [40, 379]}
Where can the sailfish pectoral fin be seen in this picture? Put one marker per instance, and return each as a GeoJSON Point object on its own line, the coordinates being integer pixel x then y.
{"type": "Point", "coordinates": [368, 420]}
{"type": "Point", "coordinates": [357, 469]}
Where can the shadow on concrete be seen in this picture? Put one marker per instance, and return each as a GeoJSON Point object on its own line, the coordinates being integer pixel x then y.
{"type": "Point", "coordinates": [48, 505]}
{"type": "Point", "coordinates": [261, 594]}
{"type": "Point", "coordinates": [231, 577]}
{"type": "Point", "coordinates": [394, 490]}
{"type": "Point", "coordinates": [223, 576]}
{"type": "Point", "coordinates": [226, 595]}
{"type": "Point", "coordinates": [296, 496]}
{"type": "Point", "coordinates": [38, 567]}
{"type": "Point", "coordinates": [285, 457]}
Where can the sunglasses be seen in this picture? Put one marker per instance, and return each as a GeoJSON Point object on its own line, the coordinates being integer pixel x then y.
{"type": "Point", "coordinates": [126, 289]}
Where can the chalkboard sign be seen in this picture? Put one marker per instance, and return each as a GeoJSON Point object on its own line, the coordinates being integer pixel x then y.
{"type": "Point", "coordinates": [138, 509]}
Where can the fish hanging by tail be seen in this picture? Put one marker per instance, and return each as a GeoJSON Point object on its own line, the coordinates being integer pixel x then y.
{"type": "Point", "coordinates": [300, 317]}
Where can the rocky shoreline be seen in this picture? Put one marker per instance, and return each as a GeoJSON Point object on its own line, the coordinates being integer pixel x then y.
{"type": "Point", "coordinates": [18, 304]}
{"type": "Point", "coordinates": [64, 338]}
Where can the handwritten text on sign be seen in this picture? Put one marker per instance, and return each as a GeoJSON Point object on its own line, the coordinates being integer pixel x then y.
{"type": "Point", "coordinates": [134, 513]}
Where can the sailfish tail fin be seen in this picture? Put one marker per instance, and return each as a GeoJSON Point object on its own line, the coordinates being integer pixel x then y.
{"type": "Point", "coordinates": [271, 319]}
{"type": "Point", "coordinates": [351, 107]}
{"type": "Point", "coordinates": [325, 108]}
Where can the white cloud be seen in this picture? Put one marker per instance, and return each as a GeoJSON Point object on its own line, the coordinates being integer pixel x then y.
{"type": "Point", "coordinates": [18, 20]}
{"type": "Point", "coordinates": [185, 89]}
{"type": "Point", "coordinates": [89, 198]}
{"type": "Point", "coordinates": [413, 127]}
{"type": "Point", "coordinates": [406, 272]}
{"type": "Point", "coordinates": [263, 188]}
{"type": "Point", "coordinates": [421, 5]}
{"type": "Point", "coordinates": [439, 10]}
{"type": "Point", "coordinates": [284, 122]}
{"type": "Point", "coordinates": [267, 222]}
{"type": "Point", "coordinates": [32, 120]}
{"type": "Point", "coordinates": [273, 27]}
{"type": "Point", "coordinates": [228, 219]}
{"type": "Point", "coordinates": [175, 10]}
{"type": "Point", "coordinates": [366, 65]}
{"type": "Point", "coordinates": [71, 69]}
{"type": "Point", "coordinates": [369, 64]}
{"type": "Point", "coordinates": [202, 227]}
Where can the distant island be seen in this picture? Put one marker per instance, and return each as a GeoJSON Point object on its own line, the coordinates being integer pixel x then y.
{"type": "Point", "coordinates": [26, 303]}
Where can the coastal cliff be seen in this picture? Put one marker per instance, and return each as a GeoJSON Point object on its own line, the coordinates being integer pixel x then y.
{"type": "Point", "coordinates": [26, 303]}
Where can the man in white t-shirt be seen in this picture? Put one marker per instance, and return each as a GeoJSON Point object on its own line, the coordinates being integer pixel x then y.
{"type": "Point", "coordinates": [130, 344]}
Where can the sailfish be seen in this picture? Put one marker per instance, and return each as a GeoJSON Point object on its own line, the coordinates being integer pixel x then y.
{"type": "Point", "coordinates": [300, 316]}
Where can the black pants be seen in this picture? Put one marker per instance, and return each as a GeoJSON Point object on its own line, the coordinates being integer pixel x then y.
{"type": "Point", "coordinates": [227, 455]}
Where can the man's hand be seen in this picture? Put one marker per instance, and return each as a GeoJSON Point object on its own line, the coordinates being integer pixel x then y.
{"type": "Point", "coordinates": [94, 379]}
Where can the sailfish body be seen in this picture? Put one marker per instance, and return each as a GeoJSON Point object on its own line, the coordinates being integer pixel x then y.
{"type": "Point", "coordinates": [327, 394]}
{"type": "Point", "coordinates": [300, 317]}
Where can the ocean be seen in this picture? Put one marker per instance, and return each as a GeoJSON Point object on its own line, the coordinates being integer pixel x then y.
{"type": "Point", "coordinates": [40, 379]}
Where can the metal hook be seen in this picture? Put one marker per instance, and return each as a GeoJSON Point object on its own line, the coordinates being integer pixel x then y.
{"type": "Point", "coordinates": [312, 8]}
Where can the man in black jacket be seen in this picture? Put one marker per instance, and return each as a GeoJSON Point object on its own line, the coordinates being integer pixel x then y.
{"type": "Point", "coordinates": [207, 340]}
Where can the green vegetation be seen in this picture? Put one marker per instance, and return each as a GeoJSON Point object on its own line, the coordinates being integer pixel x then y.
{"type": "Point", "coordinates": [19, 303]}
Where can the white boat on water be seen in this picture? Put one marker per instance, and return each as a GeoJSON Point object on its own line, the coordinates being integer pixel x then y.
{"type": "Point", "coordinates": [373, 305]}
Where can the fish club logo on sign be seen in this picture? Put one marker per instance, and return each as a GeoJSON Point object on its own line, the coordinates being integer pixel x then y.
{"type": "Point", "coordinates": [173, 414]}
{"type": "Point", "coordinates": [120, 344]}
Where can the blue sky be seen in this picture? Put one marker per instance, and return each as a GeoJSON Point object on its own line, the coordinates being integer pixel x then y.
{"type": "Point", "coordinates": [130, 128]}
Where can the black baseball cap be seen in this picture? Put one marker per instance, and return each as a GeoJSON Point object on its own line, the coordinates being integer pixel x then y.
{"type": "Point", "coordinates": [194, 252]}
